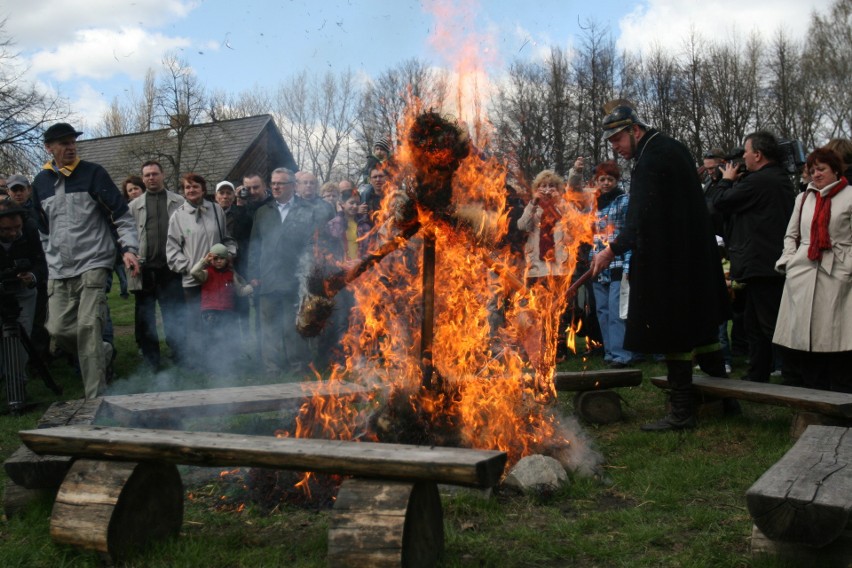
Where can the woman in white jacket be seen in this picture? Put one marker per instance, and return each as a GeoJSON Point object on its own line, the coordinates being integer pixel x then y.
{"type": "Point", "coordinates": [815, 317]}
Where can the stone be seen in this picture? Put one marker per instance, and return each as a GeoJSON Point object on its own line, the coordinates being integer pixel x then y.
{"type": "Point", "coordinates": [536, 473]}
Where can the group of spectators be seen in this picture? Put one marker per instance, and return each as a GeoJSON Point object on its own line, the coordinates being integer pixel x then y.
{"type": "Point", "coordinates": [204, 262]}
{"type": "Point", "coordinates": [657, 257]}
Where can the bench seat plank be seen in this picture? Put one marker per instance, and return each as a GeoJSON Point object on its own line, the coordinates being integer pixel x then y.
{"type": "Point", "coordinates": [806, 497]}
{"type": "Point", "coordinates": [597, 379]}
{"type": "Point", "coordinates": [828, 403]}
{"type": "Point", "coordinates": [455, 466]}
{"type": "Point", "coordinates": [145, 409]}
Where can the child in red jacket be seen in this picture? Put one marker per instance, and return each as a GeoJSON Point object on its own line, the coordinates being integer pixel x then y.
{"type": "Point", "coordinates": [219, 286]}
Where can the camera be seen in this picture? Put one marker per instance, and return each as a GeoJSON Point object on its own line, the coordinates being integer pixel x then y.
{"type": "Point", "coordinates": [792, 156]}
{"type": "Point", "coordinates": [9, 281]}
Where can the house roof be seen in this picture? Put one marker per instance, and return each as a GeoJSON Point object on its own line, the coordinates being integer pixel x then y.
{"type": "Point", "coordinates": [215, 150]}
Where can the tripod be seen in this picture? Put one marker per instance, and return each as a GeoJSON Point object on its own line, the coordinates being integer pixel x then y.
{"type": "Point", "coordinates": [14, 341]}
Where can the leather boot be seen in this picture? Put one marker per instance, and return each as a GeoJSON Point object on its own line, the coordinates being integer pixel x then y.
{"type": "Point", "coordinates": [713, 363]}
{"type": "Point", "coordinates": [682, 414]}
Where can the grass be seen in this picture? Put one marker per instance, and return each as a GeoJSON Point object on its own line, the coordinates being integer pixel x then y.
{"type": "Point", "coordinates": [672, 499]}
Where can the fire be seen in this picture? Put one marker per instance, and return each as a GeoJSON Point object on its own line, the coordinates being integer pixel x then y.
{"type": "Point", "coordinates": [491, 388]}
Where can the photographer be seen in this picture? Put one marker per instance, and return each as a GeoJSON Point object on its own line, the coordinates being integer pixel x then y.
{"type": "Point", "coordinates": [22, 265]}
{"type": "Point", "coordinates": [757, 207]}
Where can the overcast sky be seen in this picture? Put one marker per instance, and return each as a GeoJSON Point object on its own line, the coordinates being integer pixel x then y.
{"type": "Point", "coordinates": [93, 50]}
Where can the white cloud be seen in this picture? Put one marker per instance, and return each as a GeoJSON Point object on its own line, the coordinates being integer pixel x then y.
{"type": "Point", "coordinates": [89, 107]}
{"type": "Point", "coordinates": [668, 22]}
{"type": "Point", "coordinates": [43, 23]}
{"type": "Point", "coordinates": [103, 53]}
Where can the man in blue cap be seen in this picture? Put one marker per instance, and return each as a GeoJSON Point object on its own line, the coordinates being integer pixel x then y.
{"type": "Point", "coordinates": [81, 215]}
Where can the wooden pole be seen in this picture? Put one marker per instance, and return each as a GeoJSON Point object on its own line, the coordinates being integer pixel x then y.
{"type": "Point", "coordinates": [427, 323]}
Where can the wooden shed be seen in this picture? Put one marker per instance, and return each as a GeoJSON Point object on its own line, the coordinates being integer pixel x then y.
{"type": "Point", "coordinates": [223, 150]}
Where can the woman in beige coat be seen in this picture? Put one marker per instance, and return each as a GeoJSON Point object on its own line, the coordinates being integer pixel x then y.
{"type": "Point", "coordinates": [815, 318]}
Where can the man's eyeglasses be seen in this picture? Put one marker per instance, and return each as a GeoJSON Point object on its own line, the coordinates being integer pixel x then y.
{"type": "Point", "coordinates": [281, 183]}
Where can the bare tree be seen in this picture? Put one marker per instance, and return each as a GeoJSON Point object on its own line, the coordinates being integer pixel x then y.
{"type": "Point", "coordinates": [521, 121]}
{"type": "Point", "coordinates": [595, 75]}
{"type": "Point", "coordinates": [410, 85]}
{"type": "Point", "coordinates": [831, 51]}
{"type": "Point", "coordinates": [731, 84]}
{"type": "Point", "coordinates": [25, 111]}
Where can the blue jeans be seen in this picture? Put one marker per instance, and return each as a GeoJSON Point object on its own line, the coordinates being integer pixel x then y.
{"type": "Point", "coordinates": [612, 326]}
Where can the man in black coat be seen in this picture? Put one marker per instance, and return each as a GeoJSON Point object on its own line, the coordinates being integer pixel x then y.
{"type": "Point", "coordinates": [678, 296]}
{"type": "Point", "coordinates": [757, 208]}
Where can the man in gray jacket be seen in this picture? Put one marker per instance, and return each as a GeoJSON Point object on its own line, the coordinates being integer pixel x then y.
{"type": "Point", "coordinates": [81, 215]}
{"type": "Point", "coordinates": [159, 284]}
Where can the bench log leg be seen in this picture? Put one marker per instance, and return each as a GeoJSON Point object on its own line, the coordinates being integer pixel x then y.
{"type": "Point", "coordinates": [801, 421]}
{"type": "Point", "coordinates": [838, 554]}
{"type": "Point", "coordinates": [17, 499]}
{"type": "Point", "coordinates": [598, 407]}
{"type": "Point", "coordinates": [386, 523]}
{"type": "Point", "coordinates": [115, 508]}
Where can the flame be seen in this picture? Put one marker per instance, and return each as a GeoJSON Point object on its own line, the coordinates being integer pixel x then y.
{"type": "Point", "coordinates": [492, 388]}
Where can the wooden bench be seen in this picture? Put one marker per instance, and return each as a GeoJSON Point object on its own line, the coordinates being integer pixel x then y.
{"type": "Point", "coordinates": [594, 401]}
{"type": "Point", "coordinates": [390, 514]}
{"type": "Point", "coordinates": [32, 476]}
{"type": "Point", "coordinates": [813, 406]}
{"type": "Point", "coordinates": [802, 505]}
{"type": "Point", "coordinates": [161, 409]}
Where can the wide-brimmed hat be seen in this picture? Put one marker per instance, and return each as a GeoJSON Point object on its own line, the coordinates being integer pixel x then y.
{"type": "Point", "coordinates": [60, 130]}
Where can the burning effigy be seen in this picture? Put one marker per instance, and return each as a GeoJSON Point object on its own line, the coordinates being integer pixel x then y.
{"type": "Point", "coordinates": [420, 332]}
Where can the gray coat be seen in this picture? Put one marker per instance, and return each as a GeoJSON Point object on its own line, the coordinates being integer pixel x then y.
{"type": "Point", "coordinates": [816, 308]}
{"type": "Point", "coordinates": [192, 231]}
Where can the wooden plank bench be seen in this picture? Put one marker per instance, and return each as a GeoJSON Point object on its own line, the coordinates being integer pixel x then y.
{"type": "Point", "coordinates": [159, 409]}
{"type": "Point", "coordinates": [594, 401]}
{"type": "Point", "coordinates": [813, 405]}
{"type": "Point", "coordinates": [389, 514]}
{"type": "Point", "coordinates": [802, 505]}
{"type": "Point", "coordinates": [31, 476]}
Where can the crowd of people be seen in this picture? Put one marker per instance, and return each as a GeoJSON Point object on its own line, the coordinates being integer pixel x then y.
{"type": "Point", "coordinates": [676, 254]}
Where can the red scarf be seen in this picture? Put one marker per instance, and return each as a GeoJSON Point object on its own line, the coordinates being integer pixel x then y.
{"type": "Point", "coordinates": [546, 241]}
{"type": "Point", "coordinates": [820, 239]}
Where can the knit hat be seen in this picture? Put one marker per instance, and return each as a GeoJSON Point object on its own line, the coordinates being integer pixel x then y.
{"type": "Point", "coordinates": [383, 144]}
{"type": "Point", "coordinates": [219, 250]}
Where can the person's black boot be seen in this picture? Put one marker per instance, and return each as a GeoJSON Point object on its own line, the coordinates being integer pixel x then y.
{"type": "Point", "coordinates": [682, 413]}
{"type": "Point", "coordinates": [713, 363]}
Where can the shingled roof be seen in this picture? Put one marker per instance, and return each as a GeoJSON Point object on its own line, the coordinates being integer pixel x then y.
{"type": "Point", "coordinates": [223, 150]}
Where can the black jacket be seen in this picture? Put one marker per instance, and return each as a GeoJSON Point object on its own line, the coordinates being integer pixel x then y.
{"type": "Point", "coordinates": [757, 209]}
{"type": "Point", "coordinates": [678, 296]}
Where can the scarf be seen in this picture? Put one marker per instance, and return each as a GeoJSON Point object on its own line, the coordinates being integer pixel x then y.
{"type": "Point", "coordinates": [820, 239]}
{"type": "Point", "coordinates": [546, 242]}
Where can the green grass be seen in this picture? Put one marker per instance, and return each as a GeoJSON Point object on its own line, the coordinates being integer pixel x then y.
{"type": "Point", "coordinates": [672, 499]}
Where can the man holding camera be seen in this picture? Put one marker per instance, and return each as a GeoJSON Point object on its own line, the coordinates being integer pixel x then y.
{"type": "Point", "coordinates": [757, 206]}
{"type": "Point", "coordinates": [22, 266]}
